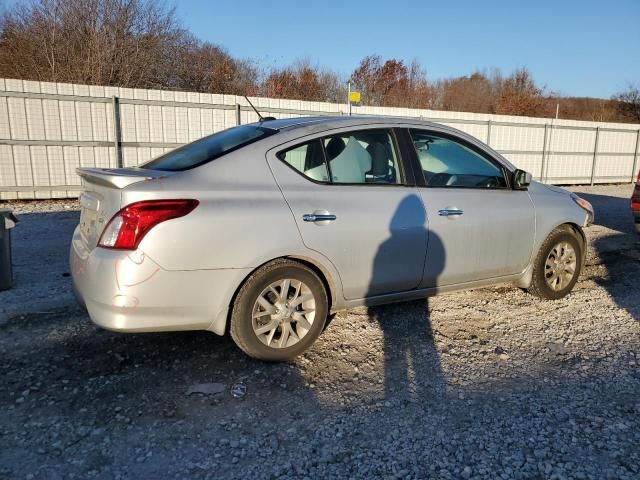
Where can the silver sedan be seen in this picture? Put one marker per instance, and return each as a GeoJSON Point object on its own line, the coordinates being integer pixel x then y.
{"type": "Point", "coordinates": [266, 228]}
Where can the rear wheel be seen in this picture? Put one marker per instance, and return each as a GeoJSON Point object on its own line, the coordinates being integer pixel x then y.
{"type": "Point", "coordinates": [557, 266]}
{"type": "Point", "coordinates": [280, 311]}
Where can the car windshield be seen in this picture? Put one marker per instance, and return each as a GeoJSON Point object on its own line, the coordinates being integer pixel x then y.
{"type": "Point", "coordinates": [208, 148]}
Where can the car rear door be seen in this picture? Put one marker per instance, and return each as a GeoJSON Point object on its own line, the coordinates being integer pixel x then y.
{"type": "Point", "coordinates": [353, 202]}
{"type": "Point", "coordinates": [479, 227]}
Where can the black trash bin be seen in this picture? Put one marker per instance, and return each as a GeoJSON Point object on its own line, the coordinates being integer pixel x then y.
{"type": "Point", "coordinates": [7, 222]}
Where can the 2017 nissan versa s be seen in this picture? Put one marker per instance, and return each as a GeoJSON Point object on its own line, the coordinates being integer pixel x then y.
{"type": "Point", "coordinates": [266, 228]}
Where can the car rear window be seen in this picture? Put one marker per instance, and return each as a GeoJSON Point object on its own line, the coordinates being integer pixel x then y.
{"type": "Point", "coordinates": [208, 148]}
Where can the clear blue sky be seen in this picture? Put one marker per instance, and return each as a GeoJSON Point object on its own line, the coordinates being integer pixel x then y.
{"type": "Point", "coordinates": [574, 47]}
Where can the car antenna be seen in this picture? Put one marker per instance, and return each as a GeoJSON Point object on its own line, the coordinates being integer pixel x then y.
{"type": "Point", "coordinates": [262, 119]}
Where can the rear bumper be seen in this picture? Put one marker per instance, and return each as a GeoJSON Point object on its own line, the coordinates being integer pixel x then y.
{"type": "Point", "coordinates": [126, 291]}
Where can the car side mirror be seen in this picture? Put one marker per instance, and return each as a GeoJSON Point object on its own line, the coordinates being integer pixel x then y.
{"type": "Point", "coordinates": [521, 180]}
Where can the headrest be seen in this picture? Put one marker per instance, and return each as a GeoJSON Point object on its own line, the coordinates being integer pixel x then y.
{"type": "Point", "coordinates": [334, 147]}
{"type": "Point", "coordinates": [379, 159]}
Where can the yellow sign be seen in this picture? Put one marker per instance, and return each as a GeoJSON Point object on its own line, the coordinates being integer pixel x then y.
{"type": "Point", "coordinates": [354, 97]}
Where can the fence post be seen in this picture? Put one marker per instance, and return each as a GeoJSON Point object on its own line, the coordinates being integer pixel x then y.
{"type": "Point", "coordinates": [488, 132]}
{"type": "Point", "coordinates": [544, 152]}
{"type": "Point", "coordinates": [635, 158]}
{"type": "Point", "coordinates": [238, 119]}
{"type": "Point", "coordinates": [549, 154]}
{"type": "Point", "coordinates": [117, 131]}
{"type": "Point", "coordinates": [595, 156]}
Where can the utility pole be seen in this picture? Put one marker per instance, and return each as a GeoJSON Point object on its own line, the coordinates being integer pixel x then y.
{"type": "Point", "coordinates": [349, 96]}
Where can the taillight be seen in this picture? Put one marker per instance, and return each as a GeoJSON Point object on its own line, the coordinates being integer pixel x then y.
{"type": "Point", "coordinates": [635, 205]}
{"type": "Point", "coordinates": [128, 227]}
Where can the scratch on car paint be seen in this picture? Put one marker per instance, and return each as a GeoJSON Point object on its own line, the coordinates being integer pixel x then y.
{"type": "Point", "coordinates": [136, 259]}
{"type": "Point", "coordinates": [141, 281]}
{"type": "Point", "coordinates": [123, 300]}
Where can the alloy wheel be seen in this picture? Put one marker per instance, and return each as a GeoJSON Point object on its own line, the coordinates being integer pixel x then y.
{"type": "Point", "coordinates": [560, 266]}
{"type": "Point", "coordinates": [283, 313]}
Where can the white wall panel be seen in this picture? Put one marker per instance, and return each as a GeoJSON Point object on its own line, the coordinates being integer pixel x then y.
{"type": "Point", "coordinates": [86, 158]}
{"type": "Point", "coordinates": [18, 119]}
{"type": "Point", "coordinates": [616, 142]}
{"type": "Point", "coordinates": [614, 166]}
{"type": "Point", "coordinates": [68, 121]}
{"type": "Point", "coordinates": [517, 138]}
{"type": "Point", "coordinates": [101, 126]}
{"type": "Point", "coordinates": [572, 140]}
{"type": "Point", "coordinates": [7, 173]}
{"type": "Point", "coordinates": [526, 161]}
{"type": "Point", "coordinates": [141, 114]}
{"type": "Point", "coordinates": [85, 124]}
{"type": "Point", "coordinates": [51, 119]}
{"type": "Point", "coordinates": [573, 167]}
{"type": "Point", "coordinates": [23, 164]}
{"type": "Point", "coordinates": [35, 118]}
{"type": "Point", "coordinates": [5, 129]}
{"type": "Point", "coordinates": [128, 130]}
{"type": "Point", "coordinates": [31, 126]}
{"type": "Point", "coordinates": [71, 159]}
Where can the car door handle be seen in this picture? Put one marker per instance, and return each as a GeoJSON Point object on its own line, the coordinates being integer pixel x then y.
{"type": "Point", "coordinates": [447, 212]}
{"type": "Point", "coordinates": [318, 217]}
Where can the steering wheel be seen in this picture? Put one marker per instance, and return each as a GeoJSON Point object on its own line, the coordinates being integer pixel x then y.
{"type": "Point", "coordinates": [439, 180]}
{"type": "Point", "coordinates": [491, 182]}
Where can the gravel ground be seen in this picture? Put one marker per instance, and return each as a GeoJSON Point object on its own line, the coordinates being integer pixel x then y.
{"type": "Point", "coordinates": [490, 383]}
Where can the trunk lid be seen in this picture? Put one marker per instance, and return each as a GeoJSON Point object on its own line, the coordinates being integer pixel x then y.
{"type": "Point", "coordinates": [102, 196]}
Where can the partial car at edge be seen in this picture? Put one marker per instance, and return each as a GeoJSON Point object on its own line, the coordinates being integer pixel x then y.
{"type": "Point", "coordinates": [635, 203]}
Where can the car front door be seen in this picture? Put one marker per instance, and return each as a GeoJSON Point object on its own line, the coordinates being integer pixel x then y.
{"type": "Point", "coordinates": [479, 227]}
{"type": "Point", "coordinates": [350, 198]}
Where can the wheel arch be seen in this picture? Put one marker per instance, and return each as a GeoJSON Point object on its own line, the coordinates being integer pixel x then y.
{"type": "Point", "coordinates": [323, 273]}
{"type": "Point", "coordinates": [576, 228]}
{"type": "Point", "coordinates": [325, 277]}
{"type": "Point", "coordinates": [526, 279]}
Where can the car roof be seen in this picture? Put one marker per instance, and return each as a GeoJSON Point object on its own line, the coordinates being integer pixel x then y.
{"type": "Point", "coordinates": [337, 121]}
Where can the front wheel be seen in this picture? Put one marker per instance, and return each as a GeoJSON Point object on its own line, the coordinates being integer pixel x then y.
{"type": "Point", "coordinates": [557, 266]}
{"type": "Point", "coordinates": [279, 311]}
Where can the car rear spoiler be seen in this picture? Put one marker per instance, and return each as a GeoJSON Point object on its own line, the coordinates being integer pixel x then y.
{"type": "Point", "coordinates": [118, 177]}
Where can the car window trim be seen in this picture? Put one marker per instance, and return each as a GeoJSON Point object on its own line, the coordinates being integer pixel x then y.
{"type": "Point", "coordinates": [279, 156]}
{"type": "Point", "coordinates": [390, 131]}
{"type": "Point", "coordinates": [407, 153]}
{"type": "Point", "coordinates": [323, 136]}
{"type": "Point", "coordinates": [465, 143]}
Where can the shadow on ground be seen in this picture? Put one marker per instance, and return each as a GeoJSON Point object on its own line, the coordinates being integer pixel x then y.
{"type": "Point", "coordinates": [40, 251]}
{"type": "Point", "coordinates": [616, 250]}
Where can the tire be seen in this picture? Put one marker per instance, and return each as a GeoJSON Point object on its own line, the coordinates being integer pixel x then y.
{"type": "Point", "coordinates": [543, 272]}
{"type": "Point", "coordinates": [304, 327]}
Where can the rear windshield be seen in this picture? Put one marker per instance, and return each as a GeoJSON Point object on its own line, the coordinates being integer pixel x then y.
{"type": "Point", "coordinates": [208, 148]}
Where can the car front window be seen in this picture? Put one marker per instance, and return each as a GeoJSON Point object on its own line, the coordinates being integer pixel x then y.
{"type": "Point", "coordinates": [446, 163]}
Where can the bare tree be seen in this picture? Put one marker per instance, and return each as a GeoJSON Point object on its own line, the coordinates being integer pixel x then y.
{"type": "Point", "coordinates": [392, 83]}
{"type": "Point", "coordinates": [628, 103]}
{"type": "Point", "coordinates": [477, 92]}
{"type": "Point", "coordinates": [520, 95]}
{"type": "Point", "coordinates": [303, 81]}
{"type": "Point", "coordinates": [205, 67]}
{"type": "Point", "coordinates": [107, 42]}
